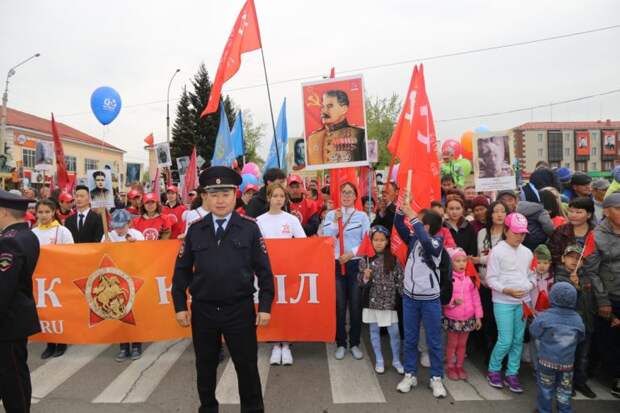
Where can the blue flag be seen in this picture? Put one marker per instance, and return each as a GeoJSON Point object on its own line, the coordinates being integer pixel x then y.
{"type": "Point", "coordinates": [236, 136]}
{"type": "Point", "coordinates": [282, 141]}
{"type": "Point", "coordinates": [223, 153]}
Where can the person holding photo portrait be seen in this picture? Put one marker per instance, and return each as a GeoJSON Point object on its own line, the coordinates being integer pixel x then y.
{"type": "Point", "coordinates": [99, 193]}
{"type": "Point", "coordinates": [492, 160]}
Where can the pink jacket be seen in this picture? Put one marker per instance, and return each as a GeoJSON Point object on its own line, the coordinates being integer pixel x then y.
{"type": "Point", "coordinates": [464, 289]}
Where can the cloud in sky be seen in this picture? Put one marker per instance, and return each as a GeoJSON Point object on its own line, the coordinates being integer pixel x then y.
{"type": "Point", "coordinates": [135, 46]}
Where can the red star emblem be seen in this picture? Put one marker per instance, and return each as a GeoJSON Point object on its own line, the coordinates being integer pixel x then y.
{"type": "Point", "coordinates": [110, 293]}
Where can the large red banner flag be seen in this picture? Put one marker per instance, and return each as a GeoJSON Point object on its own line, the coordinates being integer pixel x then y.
{"type": "Point", "coordinates": [61, 168]}
{"type": "Point", "coordinates": [244, 37]}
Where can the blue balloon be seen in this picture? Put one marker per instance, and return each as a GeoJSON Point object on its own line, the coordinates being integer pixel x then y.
{"type": "Point", "coordinates": [482, 129]}
{"type": "Point", "coordinates": [105, 103]}
{"type": "Point", "coordinates": [247, 179]}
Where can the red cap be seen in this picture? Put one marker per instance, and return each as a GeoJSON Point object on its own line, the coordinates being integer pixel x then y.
{"type": "Point", "coordinates": [172, 188]}
{"type": "Point", "coordinates": [249, 187]}
{"type": "Point", "coordinates": [294, 179]}
{"type": "Point", "coordinates": [65, 197]}
{"type": "Point", "coordinates": [134, 193]}
{"type": "Point", "coordinates": [150, 197]}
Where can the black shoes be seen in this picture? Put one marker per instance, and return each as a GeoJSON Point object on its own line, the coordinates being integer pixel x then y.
{"type": "Point", "coordinates": [54, 350]}
{"type": "Point", "coordinates": [585, 390]}
{"type": "Point", "coordinates": [615, 391]}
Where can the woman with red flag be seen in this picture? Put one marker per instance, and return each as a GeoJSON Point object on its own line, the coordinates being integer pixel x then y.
{"type": "Point", "coordinates": [355, 225]}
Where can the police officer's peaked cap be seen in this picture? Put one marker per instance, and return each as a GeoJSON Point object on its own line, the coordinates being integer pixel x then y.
{"type": "Point", "coordinates": [219, 178]}
{"type": "Point", "coordinates": [12, 201]}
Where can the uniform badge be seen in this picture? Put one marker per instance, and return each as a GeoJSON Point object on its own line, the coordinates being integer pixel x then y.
{"type": "Point", "coordinates": [218, 181]}
{"type": "Point", "coordinates": [6, 261]}
{"type": "Point", "coordinates": [182, 249]}
{"type": "Point", "coordinates": [262, 245]}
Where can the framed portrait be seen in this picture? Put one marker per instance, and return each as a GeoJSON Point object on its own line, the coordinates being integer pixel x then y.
{"type": "Point", "coordinates": [162, 150]}
{"type": "Point", "coordinates": [582, 143]}
{"type": "Point", "coordinates": [132, 173]}
{"type": "Point", "coordinates": [182, 165]}
{"type": "Point", "coordinates": [100, 187]}
{"type": "Point", "coordinates": [44, 156]}
{"type": "Point", "coordinates": [493, 160]}
{"type": "Point", "coordinates": [335, 123]}
{"type": "Point", "coordinates": [609, 143]}
{"type": "Point", "coordinates": [373, 151]}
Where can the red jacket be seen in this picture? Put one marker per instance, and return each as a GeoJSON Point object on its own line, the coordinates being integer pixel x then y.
{"type": "Point", "coordinates": [151, 228]}
{"type": "Point", "coordinates": [178, 228]}
{"type": "Point", "coordinates": [304, 209]}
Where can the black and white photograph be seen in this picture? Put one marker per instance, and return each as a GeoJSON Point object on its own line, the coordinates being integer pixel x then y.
{"type": "Point", "coordinates": [182, 165]}
{"type": "Point", "coordinates": [133, 173]}
{"type": "Point", "coordinates": [44, 156]}
{"type": "Point", "coordinates": [299, 155]}
{"type": "Point", "coordinates": [493, 163]}
{"type": "Point", "coordinates": [164, 160]}
{"type": "Point", "coordinates": [100, 187]}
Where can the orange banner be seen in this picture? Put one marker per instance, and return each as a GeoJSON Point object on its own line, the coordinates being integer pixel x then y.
{"type": "Point", "coordinates": [120, 292]}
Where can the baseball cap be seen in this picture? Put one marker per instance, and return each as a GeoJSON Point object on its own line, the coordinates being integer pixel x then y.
{"type": "Point", "coordinates": [564, 174]}
{"type": "Point", "coordinates": [612, 200]}
{"type": "Point", "coordinates": [580, 178]}
{"type": "Point", "coordinates": [294, 179]}
{"type": "Point", "coordinates": [65, 197]}
{"type": "Point", "coordinates": [172, 188]}
{"type": "Point", "coordinates": [150, 197]}
{"type": "Point", "coordinates": [134, 193]}
{"type": "Point", "coordinates": [573, 249]}
{"type": "Point", "coordinates": [120, 218]}
{"type": "Point", "coordinates": [250, 187]}
{"type": "Point", "coordinates": [600, 184]}
{"type": "Point", "coordinates": [517, 223]}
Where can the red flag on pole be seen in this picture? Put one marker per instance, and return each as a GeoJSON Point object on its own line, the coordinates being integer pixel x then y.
{"type": "Point", "coordinates": [61, 168]}
{"type": "Point", "coordinates": [542, 303]}
{"type": "Point", "coordinates": [366, 249]}
{"type": "Point", "coordinates": [589, 246]}
{"type": "Point", "coordinates": [338, 177]}
{"type": "Point", "coordinates": [244, 37]}
{"type": "Point", "coordinates": [527, 311]}
{"type": "Point", "coordinates": [149, 140]}
{"type": "Point", "coordinates": [155, 185]}
{"type": "Point", "coordinates": [191, 177]}
{"type": "Point", "coordinates": [332, 73]}
{"type": "Point", "coordinates": [471, 271]}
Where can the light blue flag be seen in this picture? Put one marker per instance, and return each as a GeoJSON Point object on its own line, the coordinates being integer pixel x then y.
{"type": "Point", "coordinates": [281, 139]}
{"type": "Point", "coordinates": [236, 136]}
{"type": "Point", "coordinates": [223, 154]}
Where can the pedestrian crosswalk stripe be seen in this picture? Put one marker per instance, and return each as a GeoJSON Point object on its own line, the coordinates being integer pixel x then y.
{"type": "Point", "coordinates": [227, 390]}
{"type": "Point", "coordinates": [353, 381]}
{"type": "Point", "coordinates": [475, 388]}
{"type": "Point", "coordinates": [56, 371]}
{"type": "Point", "coordinates": [136, 383]}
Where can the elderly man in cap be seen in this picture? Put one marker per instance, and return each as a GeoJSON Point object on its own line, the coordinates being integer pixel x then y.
{"type": "Point", "coordinates": [580, 185]}
{"type": "Point", "coordinates": [602, 265]}
{"type": "Point", "coordinates": [599, 189]}
{"type": "Point", "coordinates": [19, 252]}
{"type": "Point", "coordinates": [221, 255]}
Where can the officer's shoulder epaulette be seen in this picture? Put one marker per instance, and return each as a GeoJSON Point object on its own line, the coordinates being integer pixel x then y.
{"type": "Point", "coordinates": [9, 234]}
{"type": "Point", "coordinates": [248, 218]}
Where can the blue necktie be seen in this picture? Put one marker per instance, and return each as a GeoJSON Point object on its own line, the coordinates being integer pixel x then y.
{"type": "Point", "coordinates": [219, 233]}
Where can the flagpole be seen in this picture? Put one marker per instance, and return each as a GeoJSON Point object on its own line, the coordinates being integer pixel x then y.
{"type": "Point", "coordinates": [273, 122]}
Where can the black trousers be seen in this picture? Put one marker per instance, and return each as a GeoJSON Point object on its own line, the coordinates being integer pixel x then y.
{"type": "Point", "coordinates": [15, 388]}
{"type": "Point", "coordinates": [348, 294]}
{"type": "Point", "coordinates": [608, 342]}
{"type": "Point", "coordinates": [237, 324]}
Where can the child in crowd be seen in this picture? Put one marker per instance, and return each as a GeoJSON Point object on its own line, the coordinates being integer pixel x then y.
{"type": "Point", "coordinates": [509, 279]}
{"type": "Point", "coordinates": [276, 223]}
{"type": "Point", "coordinates": [382, 279]}
{"type": "Point", "coordinates": [543, 280]}
{"type": "Point", "coordinates": [571, 271]}
{"type": "Point", "coordinates": [461, 316]}
{"type": "Point", "coordinates": [422, 289]}
{"type": "Point", "coordinates": [557, 332]}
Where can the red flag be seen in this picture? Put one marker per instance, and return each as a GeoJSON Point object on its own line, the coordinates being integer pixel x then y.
{"type": "Point", "coordinates": [366, 249]}
{"type": "Point", "coordinates": [339, 176]}
{"type": "Point", "coordinates": [155, 185]}
{"type": "Point", "coordinates": [191, 177]}
{"type": "Point", "coordinates": [149, 140]}
{"type": "Point", "coordinates": [527, 311]}
{"type": "Point", "coordinates": [244, 37]}
{"type": "Point", "coordinates": [542, 303]}
{"type": "Point", "coordinates": [470, 271]}
{"type": "Point", "coordinates": [589, 246]}
{"type": "Point", "coordinates": [534, 264]}
{"type": "Point", "coordinates": [332, 73]}
{"type": "Point", "coordinates": [61, 168]}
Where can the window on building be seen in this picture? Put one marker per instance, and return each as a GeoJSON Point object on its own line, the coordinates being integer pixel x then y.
{"type": "Point", "coordinates": [594, 166]}
{"type": "Point", "coordinates": [608, 166]}
{"type": "Point", "coordinates": [540, 138]}
{"type": "Point", "coordinates": [28, 158]}
{"type": "Point", "coordinates": [593, 150]}
{"type": "Point", "coordinates": [567, 165]}
{"type": "Point", "coordinates": [554, 146]}
{"type": "Point", "coordinates": [567, 138]}
{"type": "Point", "coordinates": [566, 151]}
{"type": "Point", "coordinates": [90, 164]}
{"type": "Point", "coordinates": [581, 166]}
{"type": "Point", "coordinates": [71, 163]}
{"type": "Point", "coordinates": [540, 153]}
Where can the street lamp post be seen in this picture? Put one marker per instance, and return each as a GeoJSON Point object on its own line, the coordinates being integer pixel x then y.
{"type": "Point", "coordinates": [5, 100]}
{"type": "Point", "coordinates": [168, 106]}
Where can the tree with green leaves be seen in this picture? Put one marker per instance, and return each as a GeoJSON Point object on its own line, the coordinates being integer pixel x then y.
{"type": "Point", "coordinates": [381, 117]}
{"type": "Point", "coordinates": [252, 136]}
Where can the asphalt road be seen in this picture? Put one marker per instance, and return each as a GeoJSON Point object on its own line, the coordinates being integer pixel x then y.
{"type": "Point", "coordinates": [87, 379]}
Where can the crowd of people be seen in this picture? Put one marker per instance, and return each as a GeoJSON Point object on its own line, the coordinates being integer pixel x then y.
{"type": "Point", "coordinates": [526, 276]}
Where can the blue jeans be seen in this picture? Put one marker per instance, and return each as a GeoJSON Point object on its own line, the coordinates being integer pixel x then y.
{"type": "Point", "coordinates": [429, 313]}
{"type": "Point", "coordinates": [554, 383]}
{"type": "Point", "coordinates": [510, 330]}
{"type": "Point", "coordinates": [348, 294]}
{"type": "Point", "coordinates": [375, 340]}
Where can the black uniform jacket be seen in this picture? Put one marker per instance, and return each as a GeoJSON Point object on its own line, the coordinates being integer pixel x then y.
{"type": "Point", "coordinates": [223, 274]}
{"type": "Point", "coordinates": [19, 252]}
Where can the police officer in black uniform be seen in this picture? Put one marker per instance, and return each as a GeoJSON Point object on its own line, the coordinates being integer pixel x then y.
{"type": "Point", "coordinates": [220, 257]}
{"type": "Point", "coordinates": [19, 252]}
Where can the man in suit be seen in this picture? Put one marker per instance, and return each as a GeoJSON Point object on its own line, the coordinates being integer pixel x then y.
{"type": "Point", "coordinates": [19, 252]}
{"type": "Point", "coordinates": [85, 225]}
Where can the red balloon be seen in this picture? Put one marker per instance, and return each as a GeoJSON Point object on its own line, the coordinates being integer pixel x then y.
{"type": "Point", "coordinates": [451, 146]}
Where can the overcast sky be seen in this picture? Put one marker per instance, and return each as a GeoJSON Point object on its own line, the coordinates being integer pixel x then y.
{"type": "Point", "coordinates": [135, 46]}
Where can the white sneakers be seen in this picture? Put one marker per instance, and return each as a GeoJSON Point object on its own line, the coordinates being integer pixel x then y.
{"type": "Point", "coordinates": [357, 353]}
{"type": "Point", "coordinates": [379, 367]}
{"type": "Point", "coordinates": [281, 355]}
{"type": "Point", "coordinates": [339, 354]}
{"type": "Point", "coordinates": [425, 359]}
{"type": "Point", "coordinates": [436, 385]}
{"type": "Point", "coordinates": [410, 381]}
{"type": "Point", "coordinates": [407, 383]}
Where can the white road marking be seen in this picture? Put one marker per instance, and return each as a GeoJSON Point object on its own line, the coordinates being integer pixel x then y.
{"type": "Point", "coordinates": [227, 390]}
{"type": "Point", "coordinates": [136, 383]}
{"type": "Point", "coordinates": [353, 381]}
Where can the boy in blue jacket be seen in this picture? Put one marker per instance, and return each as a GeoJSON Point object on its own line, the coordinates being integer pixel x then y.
{"type": "Point", "coordinates": [422, 289]}
{"type": "Point", "coordinates": [557, 332]}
